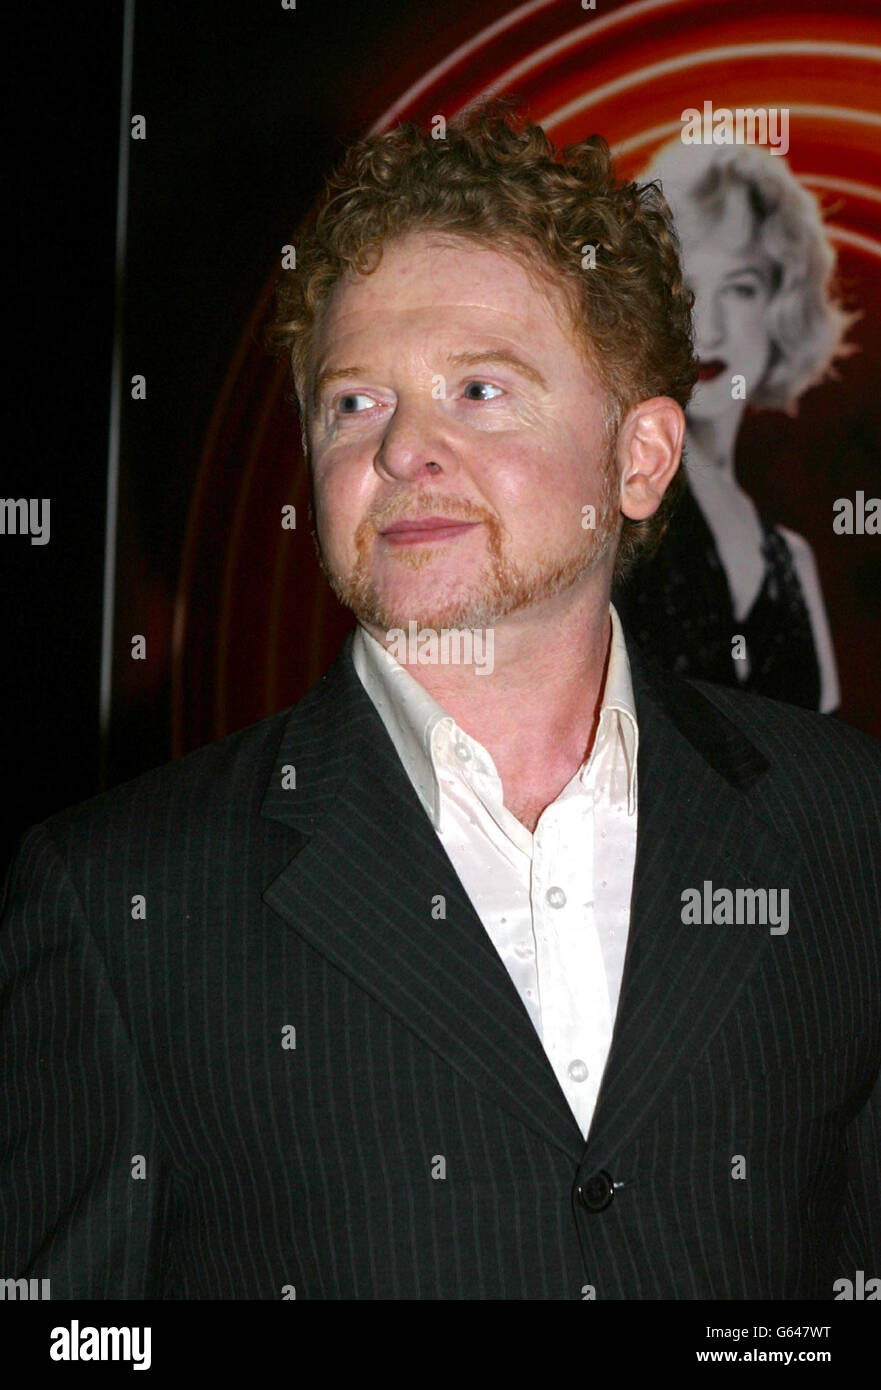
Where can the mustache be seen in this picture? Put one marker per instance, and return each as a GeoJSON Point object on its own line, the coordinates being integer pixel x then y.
{"type": "Point", "coordinates": [412, 507]}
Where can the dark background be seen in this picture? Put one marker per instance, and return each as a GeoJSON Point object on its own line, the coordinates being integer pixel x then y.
{"type": "Point", "coordinates": [66, 70]}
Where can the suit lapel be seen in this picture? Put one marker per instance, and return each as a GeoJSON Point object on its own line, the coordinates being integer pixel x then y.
{"type": "Point", "coordinates": [361, 887]}
{"type": "Point", "coordinates": [369, 868]}
{"type": "Point", "coordinates": [694, 824]}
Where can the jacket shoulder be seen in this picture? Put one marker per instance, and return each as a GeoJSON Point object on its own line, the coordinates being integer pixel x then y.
{"type": "Point", "coordinates": [223, 780]}
{"type": "Point", "coordinates": [795, 738]}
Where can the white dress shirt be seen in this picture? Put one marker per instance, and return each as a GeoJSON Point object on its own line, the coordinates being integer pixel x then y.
{"type": "Point", "coordinates": [556, 903]}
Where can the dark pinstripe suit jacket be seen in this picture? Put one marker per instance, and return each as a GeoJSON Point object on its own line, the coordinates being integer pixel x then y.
{"type": "Point", "coordinates": [160, 1141]}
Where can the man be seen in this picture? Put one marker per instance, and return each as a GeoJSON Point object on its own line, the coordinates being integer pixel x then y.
{"type": "Point", "coordinates": [539, 976]}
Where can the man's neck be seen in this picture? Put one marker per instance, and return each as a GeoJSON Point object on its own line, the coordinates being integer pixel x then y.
{"type": "Point", "coordinates": [536, 713]}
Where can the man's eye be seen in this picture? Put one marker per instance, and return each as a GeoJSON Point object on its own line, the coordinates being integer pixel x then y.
{"type": "Point", "coordinates": [481, 386]}
{"type": "Point", "coordinates": [345, 404]}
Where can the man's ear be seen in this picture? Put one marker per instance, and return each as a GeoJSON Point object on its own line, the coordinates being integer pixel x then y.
{"type": "Point", "coordinates": [649, 452]}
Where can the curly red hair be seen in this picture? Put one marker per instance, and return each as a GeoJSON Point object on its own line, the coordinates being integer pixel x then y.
{"type": "Point", "coordinates": [495, 177]}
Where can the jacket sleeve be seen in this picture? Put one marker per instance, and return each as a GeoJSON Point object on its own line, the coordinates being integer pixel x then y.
{"type": "Point", "coordinates": [85, 1186]}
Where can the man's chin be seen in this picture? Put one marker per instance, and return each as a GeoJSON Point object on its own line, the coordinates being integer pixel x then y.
{"type": "Point", "coordinates": [434, 617]}
{"type": "Point", "coordinates": [445, 601]}
{"type": "Point", "coordinates": [387, 611]}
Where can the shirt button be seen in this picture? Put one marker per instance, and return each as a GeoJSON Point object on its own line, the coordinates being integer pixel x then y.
{"type": "Point", "coordinates": [555, 897]}
{"type": "Point", "coordinates": [577, 1070]}
{"type": "Point", "coordinates": [463, 752]}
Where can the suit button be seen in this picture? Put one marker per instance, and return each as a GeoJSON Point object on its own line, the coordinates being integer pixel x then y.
{"type": "Point", "coordinates": [597, 1192]}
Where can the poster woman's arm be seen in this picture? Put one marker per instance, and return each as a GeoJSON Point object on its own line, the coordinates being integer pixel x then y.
{"type": "Point", "coordinates": [808, 577]}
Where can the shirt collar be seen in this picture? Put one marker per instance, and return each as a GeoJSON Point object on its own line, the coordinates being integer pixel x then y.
{"type": "Point", "coordinates": [618, 695]}
{"type": "Point", "coordinates": [408, 712]}
{"type": "Point", "coordinates": [411, 715]}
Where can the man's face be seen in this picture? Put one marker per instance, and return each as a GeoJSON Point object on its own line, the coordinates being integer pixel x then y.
{"type": "Point", "coordinates": [461, 395]}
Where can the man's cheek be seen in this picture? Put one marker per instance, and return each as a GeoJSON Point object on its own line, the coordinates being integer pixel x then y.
{"type": "Point", "coordinates": [527, 465]}
{"type": "Point", "coordinates": [347, 507]}
{"type": "Point", "coordinates": [532, 423]}
{"type": "Point", "coordinates": [331, 521]}
{"type": "Point", "coordinates": [336, 491]}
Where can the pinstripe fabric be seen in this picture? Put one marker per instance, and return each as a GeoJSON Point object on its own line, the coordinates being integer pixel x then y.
{"type": "Point", "coordinates": [155, 1046]}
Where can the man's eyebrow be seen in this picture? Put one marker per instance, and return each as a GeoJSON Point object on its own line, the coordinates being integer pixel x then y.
{"type": "Point", "coordinates": [334, 374]}
{"type": "Point", "coordinates": [471, 358]}
{"type": "Point", "coordinates": [501, 357]}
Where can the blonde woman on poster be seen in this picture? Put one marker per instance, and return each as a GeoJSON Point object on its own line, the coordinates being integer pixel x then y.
{"type": "Point", "coordinates": [728, 596]}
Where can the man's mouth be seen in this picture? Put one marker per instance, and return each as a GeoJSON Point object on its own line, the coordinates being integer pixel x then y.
{"type": "Point", "coordinates": [425, 529]}
{"type": "Point", "coordinates": [711, 368]}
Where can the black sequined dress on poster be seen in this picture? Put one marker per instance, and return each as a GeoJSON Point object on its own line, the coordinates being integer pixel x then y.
{"type": "Point", "coordinates": [677, 605]}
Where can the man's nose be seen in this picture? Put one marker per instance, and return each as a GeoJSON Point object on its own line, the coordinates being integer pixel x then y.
{"type": "Point", "coordinates": [414, 442]}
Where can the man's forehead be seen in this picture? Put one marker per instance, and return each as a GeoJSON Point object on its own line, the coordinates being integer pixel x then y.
{"type": "Point", "coordinates": [420, 274]}
{"type": "Point", "coordinates": [433, 318]}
